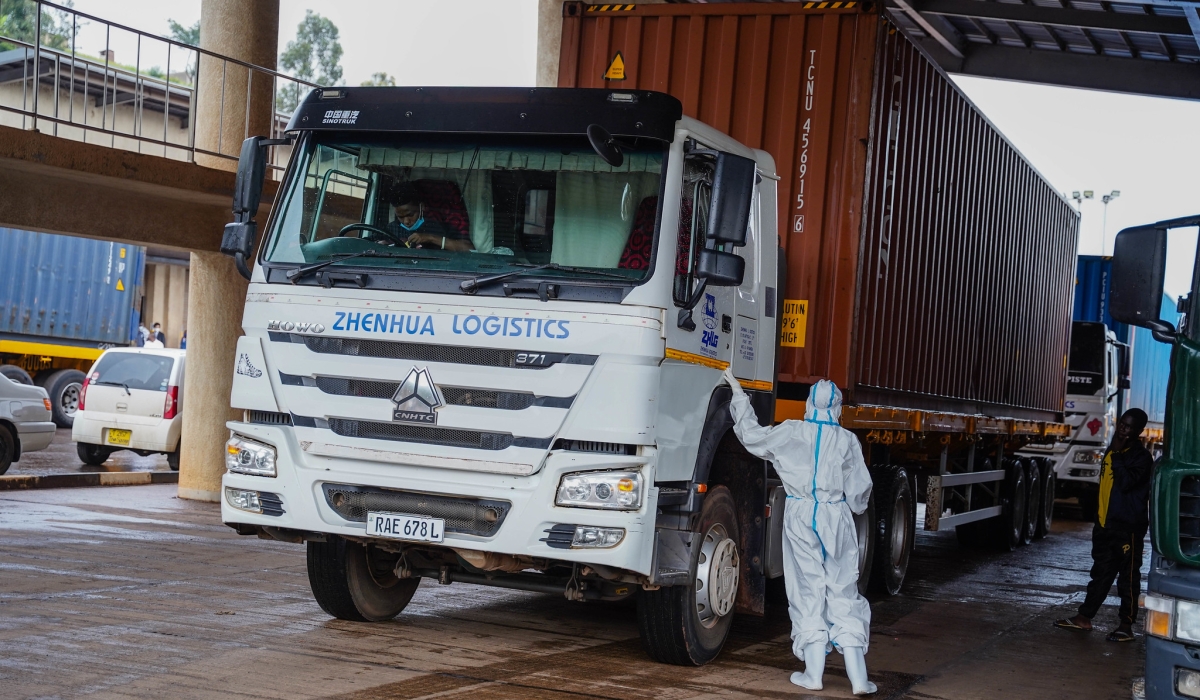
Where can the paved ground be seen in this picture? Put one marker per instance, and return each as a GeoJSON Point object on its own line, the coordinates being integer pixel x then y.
{"type": "Point", "coordinates": [132, 593]}
{"type": "Point", "coordinates": [60, 458]}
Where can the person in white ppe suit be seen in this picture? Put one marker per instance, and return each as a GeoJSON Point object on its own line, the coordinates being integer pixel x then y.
{"type": "Point", "coordinates": [826, 480]}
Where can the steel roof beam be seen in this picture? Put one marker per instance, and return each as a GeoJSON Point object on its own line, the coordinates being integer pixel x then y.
{"type": "Point", "coordinates": [1063, 17]}
{"type": "Point", "coordinates": [1141, 77]}
{"type": "Point", "coordinates": [936, 27]}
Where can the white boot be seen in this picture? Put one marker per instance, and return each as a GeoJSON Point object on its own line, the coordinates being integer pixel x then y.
{"type": "Point", "coordinates": [814, 667]}
{"type": "Point", "coordinates": [856, 670]}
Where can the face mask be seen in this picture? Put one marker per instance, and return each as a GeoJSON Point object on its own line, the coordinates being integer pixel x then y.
{"type": "Point", "coordinates": [414, 227]}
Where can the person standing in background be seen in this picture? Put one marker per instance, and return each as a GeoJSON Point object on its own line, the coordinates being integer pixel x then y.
{"type": "Point", "coordinates": [159, 335]}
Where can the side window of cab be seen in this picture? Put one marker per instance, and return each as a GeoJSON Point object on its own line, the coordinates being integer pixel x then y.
{"type": "Point", "coordinates": [693, 224]}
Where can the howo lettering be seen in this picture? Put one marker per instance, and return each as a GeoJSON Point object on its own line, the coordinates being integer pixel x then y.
{"type": "Point", "coordinates": [519, 385]}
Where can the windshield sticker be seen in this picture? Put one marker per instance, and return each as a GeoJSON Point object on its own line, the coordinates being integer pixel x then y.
{"type": "Point", "coordinates": [512, 327]}
{"type": "Point", "coordinates": [710, 338]}
{"type": "Point", "coordinates": [339, 116]}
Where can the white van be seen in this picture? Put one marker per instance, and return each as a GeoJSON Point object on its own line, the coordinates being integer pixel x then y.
{"type": "Point", "coordinates": [131, 400]}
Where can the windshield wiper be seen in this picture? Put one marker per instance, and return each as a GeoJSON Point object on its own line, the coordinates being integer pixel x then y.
{"type": "Point", "coordinates": [472, 285]}
{"type": "Point", "coordinates": [296, 273]}
{"type": "Point", "coordinates": [123, 385]}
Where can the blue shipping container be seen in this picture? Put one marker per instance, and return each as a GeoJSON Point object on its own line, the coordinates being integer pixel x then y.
{"type": "Point", "coordinates": [68, 290]}
{"type": "Point", "coordinates": [1093, 290]}
{"type": "Point", "coordinates": [1150, 367]}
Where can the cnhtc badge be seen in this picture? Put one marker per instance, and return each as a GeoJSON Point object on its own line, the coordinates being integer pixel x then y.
{"type": "Point", "coordinates": [417, 399]}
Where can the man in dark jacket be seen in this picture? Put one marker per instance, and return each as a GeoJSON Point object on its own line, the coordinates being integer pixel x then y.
{"type": "Point", "coordinates": [1120, 528]}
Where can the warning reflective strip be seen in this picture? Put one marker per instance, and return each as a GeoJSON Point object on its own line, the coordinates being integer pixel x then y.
{"type": "Point", "coordinates": [696, 359]}
{"type": "Point", "coordinates": [19, 347]}
{"type": "Point", "coordinates": [610, 8]}
{"type": "Point", "coordinates": [755, 385]}
{"type": "Point", "coordinates": [829, 5]}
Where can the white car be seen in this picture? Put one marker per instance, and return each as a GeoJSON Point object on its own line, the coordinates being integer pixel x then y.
{"type": "Point", "coordinates": [25, 421]}
{"type": "Point", "coordinates": [131, 400]}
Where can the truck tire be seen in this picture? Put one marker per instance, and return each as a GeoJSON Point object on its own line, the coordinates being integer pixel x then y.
{"type": "Point", "coordinates": [866, 545]}
{"type": "Point", "coordinates": [1033, 499]}
{"type": "Point", "coordinates": [92, 455]}
{"type": "Point", "coordinates": [1049, 483]}
{"type": "Point", "coordinates": [8, 449]}
{"type": "Point", "coordinates": [895, 524]}
{"type": "Point", "coordinates": [16, 374]}
{"type": "Point", "coordinates": [357, 582]}
{"type": "Point", "coordinates": [1009, 526]}
{"type": "Point", "coordinates": [64, 387]}
{"type": "Point", "coordinates": [687, 625]}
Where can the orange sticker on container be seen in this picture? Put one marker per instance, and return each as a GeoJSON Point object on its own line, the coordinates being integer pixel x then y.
{"type": "Point", "coordinates": [793, 323]}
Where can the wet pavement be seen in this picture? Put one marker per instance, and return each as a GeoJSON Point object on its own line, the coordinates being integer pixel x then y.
{"type": "Point", "coordinates": [133, 593]}
{"type": "Point", "coordinates": [60, 458]}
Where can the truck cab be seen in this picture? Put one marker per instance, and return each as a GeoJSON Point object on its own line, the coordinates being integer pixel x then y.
{"type": "Point", "coordinates": [484, 336]}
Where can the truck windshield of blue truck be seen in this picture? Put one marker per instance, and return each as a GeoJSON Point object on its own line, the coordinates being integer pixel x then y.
{"type": "Point", "coordinates": [482, 206]}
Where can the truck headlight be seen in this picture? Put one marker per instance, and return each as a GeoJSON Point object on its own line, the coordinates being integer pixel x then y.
{"type": "Point", "coordinates": [1089, 456]}
{"type": "Point", "coordinates": [1187, 620]}
{"type": "Point", "coordinates": [248, 457]}
{"type": "Point", "coordinates": [1159, 611]}
{"type": "Point", "coordinates": [607, 490]}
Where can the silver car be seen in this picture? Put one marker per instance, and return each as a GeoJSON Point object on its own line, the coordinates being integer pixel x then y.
{"type": "Point", "coordinates": [25, 421]}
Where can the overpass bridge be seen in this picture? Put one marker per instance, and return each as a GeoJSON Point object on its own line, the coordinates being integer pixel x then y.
{"type": "Point", "coordinates": [141, 148]}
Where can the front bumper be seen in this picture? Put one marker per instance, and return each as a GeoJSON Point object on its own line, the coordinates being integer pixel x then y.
{"type": "Point", "coordinates": [35, 436]}
{"type": "Point", "coordinates": [300, 476]}
{"type": "Point", "coordinates": [1163, 657]}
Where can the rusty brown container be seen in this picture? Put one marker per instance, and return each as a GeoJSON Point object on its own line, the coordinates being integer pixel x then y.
{"type": "Point", "coordinates": [936, 262]}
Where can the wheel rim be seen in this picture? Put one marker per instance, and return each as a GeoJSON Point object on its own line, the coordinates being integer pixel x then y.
{"type": "Point", "coordinates": [899, 531]}
{"type": "Point", "coordinates": [68, 400]}
{"type": "Point", "coordinates": [717, 575]}
{"type": "Point", "coordinates": [862, 528]}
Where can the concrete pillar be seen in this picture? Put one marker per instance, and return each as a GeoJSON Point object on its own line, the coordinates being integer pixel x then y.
{"type": "Point", "coordinates": [549, 41]}
{"type": "Point", "coordinates": [215, 302]}
{"type": "Point", "coordinates": [177, 294]}
{"type": "Point", "coordinates": [247, 30]}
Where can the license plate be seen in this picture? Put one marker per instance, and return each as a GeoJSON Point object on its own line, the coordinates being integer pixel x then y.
{"type": "Point", "coordinates": [398, 526]}
{"type": "Point", "coordinates": [119, 437]}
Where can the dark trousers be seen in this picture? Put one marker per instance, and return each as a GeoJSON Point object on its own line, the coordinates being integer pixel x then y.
{"type": "Point", "coordinates": [1116, 554]}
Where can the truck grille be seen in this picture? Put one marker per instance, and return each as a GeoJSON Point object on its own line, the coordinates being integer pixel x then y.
{"type": "Point", "coordinates": [454, 437]}
{"type": "Point", "coordinates": [454, 396]}
{"type": "Point", "coordinates": [424, 352]}
{"type": "Point", "coordinates": [1189, 516]}
{"type": "Point", "coordinates": [471, 516]}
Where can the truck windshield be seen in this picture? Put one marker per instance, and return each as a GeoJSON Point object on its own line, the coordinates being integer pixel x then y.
{"type": "Point", "coordinates": [1087, 348]}
{"type": "Point", "coordinates": [480, 206]}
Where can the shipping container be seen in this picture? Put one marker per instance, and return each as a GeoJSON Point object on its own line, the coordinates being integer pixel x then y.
{"type": "Point", "coordinates": [1093, 292]}
{"type": "Point", "coordinates": [63, 300]}
{"type": "Point", "coordinates": [68, 289]}
{"type": "Point", "coordinates": [935, 263]}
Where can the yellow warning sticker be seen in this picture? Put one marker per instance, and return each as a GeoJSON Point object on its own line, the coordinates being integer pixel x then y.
{"type": "Point", "coordinates": [120, 286]}
{"type": "Point", "coordinates": [616, 69]}
{"type": "Point", "coordinates": [122, 252]}
{"type": "Point", "coordinates": [793, 323]}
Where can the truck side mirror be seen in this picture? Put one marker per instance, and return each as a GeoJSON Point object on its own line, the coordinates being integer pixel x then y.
{"type": "Point", "coordinates": [732, 195]}
{"type": "Point", "coordinates": [720, 269]}
{"type": "Point", "coordinates": [238, 238]}
{"type": "Point", "coordinates": [1122, 366]}
{"type": "Point", "coordinates": [1139, 268]}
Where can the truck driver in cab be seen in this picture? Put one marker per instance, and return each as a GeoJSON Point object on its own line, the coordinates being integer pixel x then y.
{"type": "Point", "coordinates": [415, 229]}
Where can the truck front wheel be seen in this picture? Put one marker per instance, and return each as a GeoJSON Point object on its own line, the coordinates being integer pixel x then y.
{"type": "Point", "coordinates": [687, 625]}
{"type": "Point", "coordinates": [357, 582]}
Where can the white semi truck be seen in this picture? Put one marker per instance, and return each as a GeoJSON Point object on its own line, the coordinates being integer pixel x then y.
{"type": "Point", "coordinates": [484, 336]}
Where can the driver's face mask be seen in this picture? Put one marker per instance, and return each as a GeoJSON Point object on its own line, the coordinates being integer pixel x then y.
{"type": "Point", "coordinates": [405, 212]}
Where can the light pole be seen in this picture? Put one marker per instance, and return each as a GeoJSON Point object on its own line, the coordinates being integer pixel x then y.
{"type": "Point", "coordinates": [1104, 226]}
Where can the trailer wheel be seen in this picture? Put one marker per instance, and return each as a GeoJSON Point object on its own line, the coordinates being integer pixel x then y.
{"type": "Point", "coordinates": [1033, 499]}
{"type": "Point", "coordinates": [895, 518]}
{"type": "Point", "coordinates": [1011, 522]}
{"type": "Point", "coordinates": [357, 582]}
{"type": "Point", "coordinates": [64, 388]}
{"type": "Point", "coordinates": [8, 449]}
{"type": "Point", "coordinates": [16, 374]}
{"type": "Point", "coordinates": [1049, 483]}
{"type": "Point", "coordinates": [92, 455]}
{"type": "Point", "coordinates": [687, 625]}
{"type": "Point", "coordinates": [866, 545]}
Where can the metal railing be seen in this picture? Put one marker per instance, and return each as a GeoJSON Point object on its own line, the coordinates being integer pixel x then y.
{"type": "Point", "coordinates": [55, 78]}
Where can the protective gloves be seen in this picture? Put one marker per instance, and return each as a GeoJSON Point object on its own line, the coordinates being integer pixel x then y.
{"type": "Point", "coordinates": [732, 380]}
